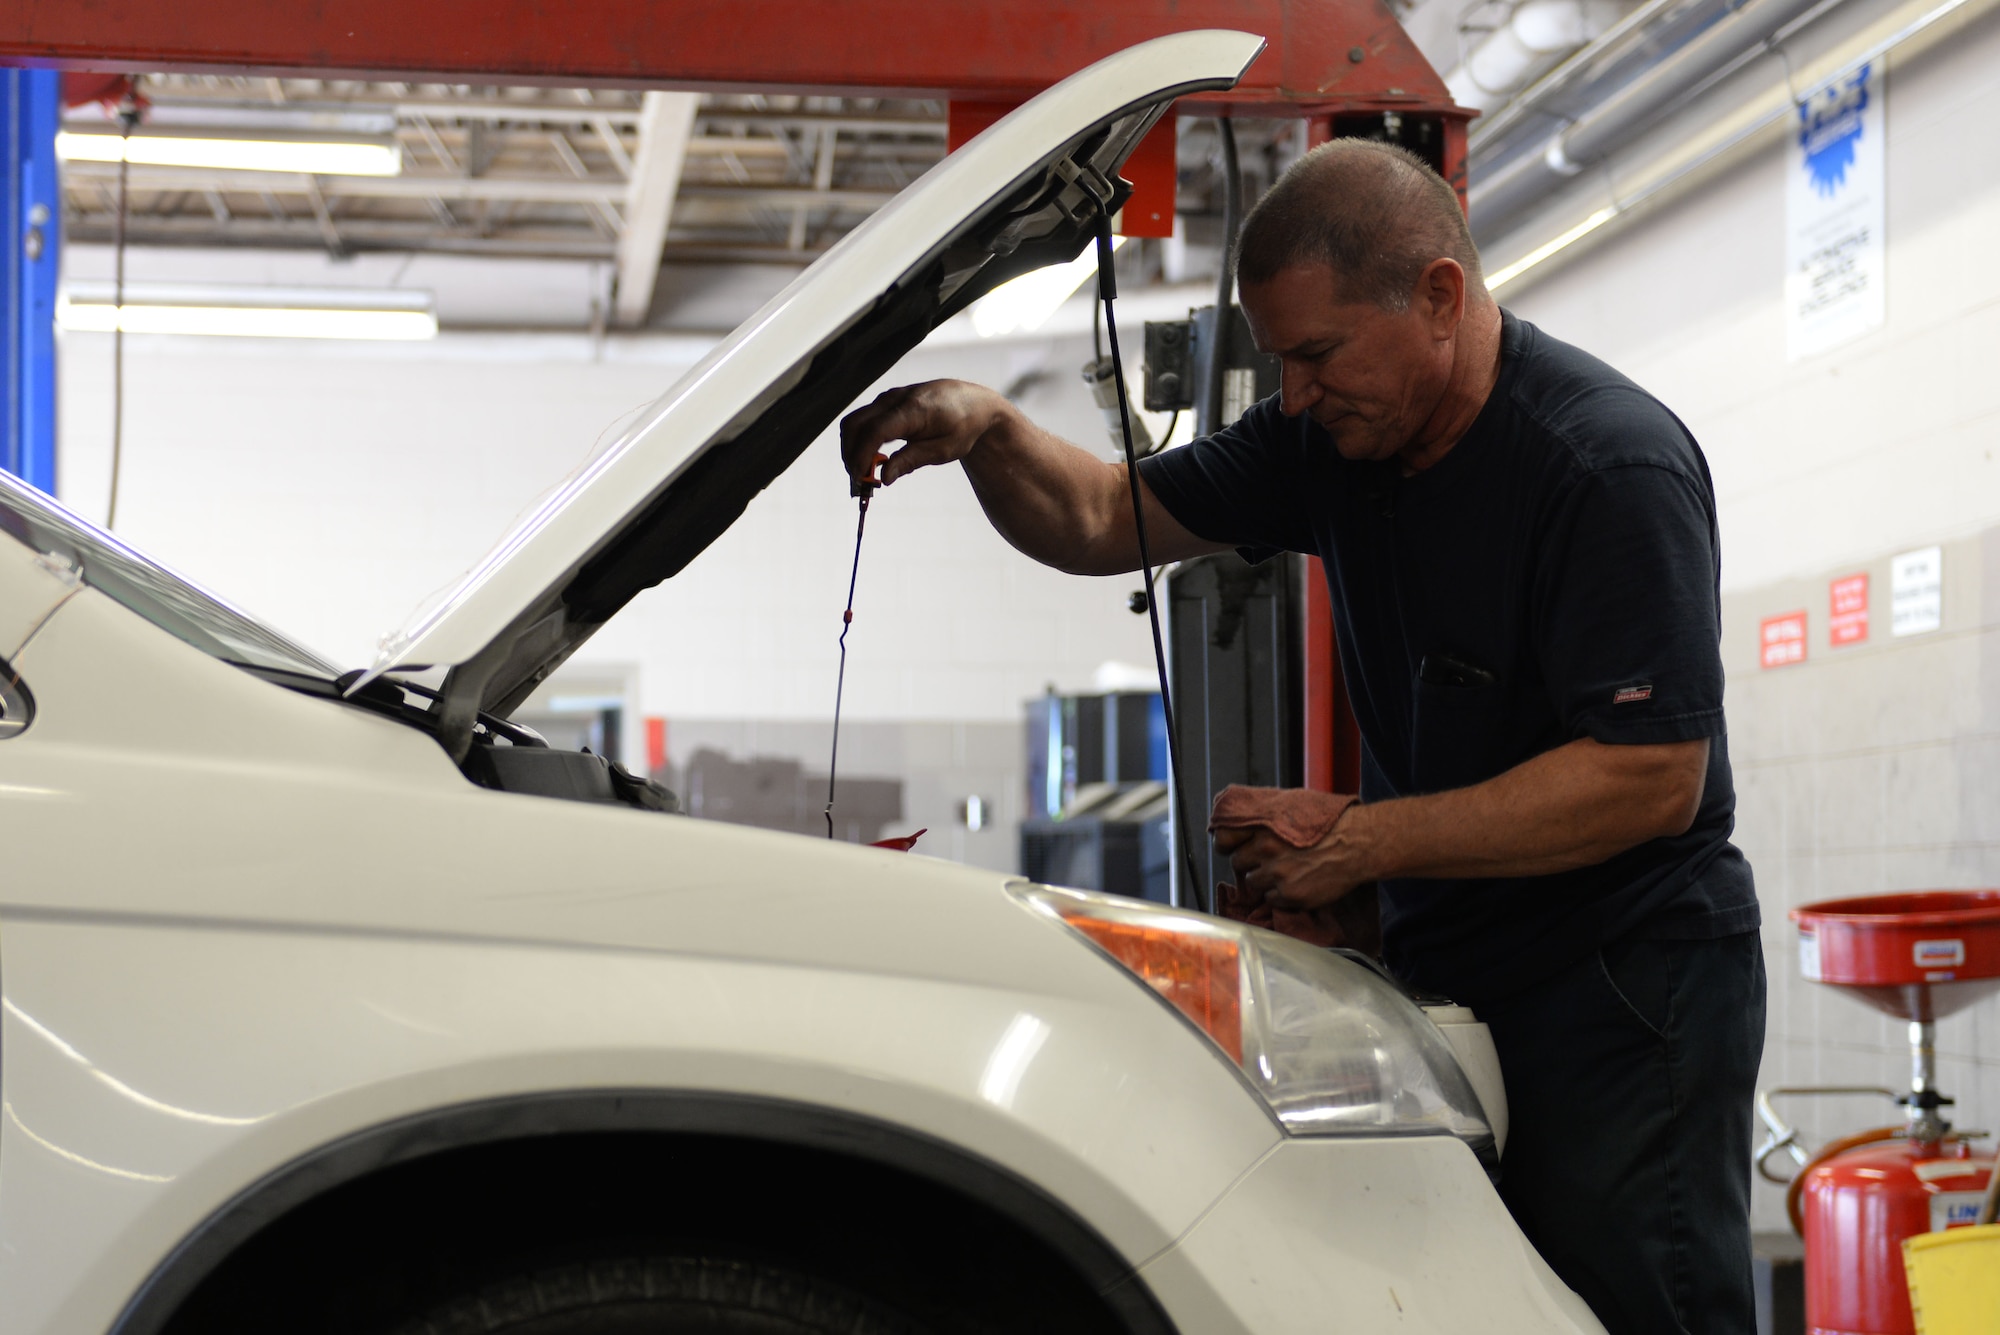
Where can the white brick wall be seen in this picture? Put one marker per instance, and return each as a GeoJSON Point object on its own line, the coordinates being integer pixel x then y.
{"type": "Point", "coordinates": [1885, 443]}
{"type": "Point", "coordinates": [330, 488]}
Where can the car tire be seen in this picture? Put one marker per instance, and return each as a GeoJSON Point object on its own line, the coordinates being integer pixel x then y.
{"type": "Point", "coordinates": [662, 1295]}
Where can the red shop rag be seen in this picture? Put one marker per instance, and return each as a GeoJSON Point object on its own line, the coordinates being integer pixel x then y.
{"type": "Point", "coordinates": [902, 843]}
{"type": "Point", "coordinates": [1299, 817]}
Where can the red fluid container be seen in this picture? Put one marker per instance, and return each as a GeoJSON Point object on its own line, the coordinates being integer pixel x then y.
{"type": "Point", "coordinates": [1858, 1208]}
{"type": "Point", "coordinates": [1920, 955]}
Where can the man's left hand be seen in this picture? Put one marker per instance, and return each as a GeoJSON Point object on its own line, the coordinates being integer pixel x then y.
{"type": "Point", "coordinates": [1272, 872]}
{"type": "Point", "coordinates": [1572, 807]}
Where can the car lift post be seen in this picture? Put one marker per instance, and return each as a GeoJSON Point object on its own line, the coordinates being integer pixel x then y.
{"type": "Point", "coordinates": [31, 234]}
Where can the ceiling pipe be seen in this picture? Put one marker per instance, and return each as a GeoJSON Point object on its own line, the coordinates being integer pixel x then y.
{"type": "Point", "coordinates": [1492, 128]}
{"type": "Point", "coordinates": [1535, 38]}
{"type": "Point", "coordinates": [1501, 195]}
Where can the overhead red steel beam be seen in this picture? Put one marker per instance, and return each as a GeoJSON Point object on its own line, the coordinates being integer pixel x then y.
{"type": "Point", "coordinates": [1324, 55]}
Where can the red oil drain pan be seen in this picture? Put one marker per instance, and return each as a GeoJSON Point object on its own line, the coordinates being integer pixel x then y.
{"type": "Point", "coordinates": [1919, 955]}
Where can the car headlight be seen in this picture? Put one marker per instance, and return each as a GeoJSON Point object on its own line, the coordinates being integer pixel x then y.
{"type": "Point", "coordinates": [1332, 1048]}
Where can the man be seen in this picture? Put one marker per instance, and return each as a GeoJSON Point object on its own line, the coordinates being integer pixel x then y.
{"type": "Point", "coordinates": [1522, 553]}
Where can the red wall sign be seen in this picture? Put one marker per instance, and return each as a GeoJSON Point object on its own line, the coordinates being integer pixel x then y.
{"type": "Point", "coordinates": [1782, 639]}
{"type": "Point", "coordinates": [1849, 623]}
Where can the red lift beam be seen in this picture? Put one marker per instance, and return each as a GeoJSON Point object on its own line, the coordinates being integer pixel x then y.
{"type": "Point", "coordinates": [1325, 59]}
{"type": "Point", "coordinates": [1325, 56]}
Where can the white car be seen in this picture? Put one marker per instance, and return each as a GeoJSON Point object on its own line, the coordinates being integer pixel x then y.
{"type": "Point", "coordinates": [332, 1004]}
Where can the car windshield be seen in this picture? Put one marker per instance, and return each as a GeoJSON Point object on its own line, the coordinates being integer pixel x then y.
{"type": "Point", "coordinates": [184, 610]}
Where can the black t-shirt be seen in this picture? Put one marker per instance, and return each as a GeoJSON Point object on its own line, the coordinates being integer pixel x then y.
{"type": "Point", "coordinates": [1554, 576]}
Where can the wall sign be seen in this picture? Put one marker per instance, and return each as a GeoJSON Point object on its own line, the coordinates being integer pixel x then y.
{"type": "Point", "coordinates": [1849, 622]}
{"type": "Point", "coordinates": [1916, 591]}
{"type": "Point", "coordinates": [1833, 216]}
{"type": "Point", "coordinates": [1782, 639]}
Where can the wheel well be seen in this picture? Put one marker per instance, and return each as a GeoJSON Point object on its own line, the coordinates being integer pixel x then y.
{"type": "Point", "coordinates": [379, 1228]}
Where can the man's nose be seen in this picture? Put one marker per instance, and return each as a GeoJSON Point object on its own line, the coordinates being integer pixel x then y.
{"type": "Point", "coordinates": [1296, 390]}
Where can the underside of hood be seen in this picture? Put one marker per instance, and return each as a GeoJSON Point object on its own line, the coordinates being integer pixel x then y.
{"type": "Point", "coordinates": [1031, 191]}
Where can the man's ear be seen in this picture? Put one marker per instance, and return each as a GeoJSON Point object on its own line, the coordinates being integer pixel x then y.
{"type": "Point", "coordinates": [1440, 297]}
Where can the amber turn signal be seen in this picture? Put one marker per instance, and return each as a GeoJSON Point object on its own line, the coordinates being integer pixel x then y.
{"type": "Point", "coordinates": [1201, 975]}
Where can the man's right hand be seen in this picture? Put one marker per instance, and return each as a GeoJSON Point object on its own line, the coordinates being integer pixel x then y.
{"type": "Point", "coordinates": [1057, 503]}
{"type": "Point", "coordinates": [939, 421]}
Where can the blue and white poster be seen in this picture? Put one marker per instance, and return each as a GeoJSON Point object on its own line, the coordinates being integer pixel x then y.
{"type": "Point", "coordinates": [1833, 216]}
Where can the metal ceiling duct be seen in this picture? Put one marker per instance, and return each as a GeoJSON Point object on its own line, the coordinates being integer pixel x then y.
{"type": "Point", "coordinates": [1498, 197]}
{"type": "Point", "coordinates": [1536, 35]}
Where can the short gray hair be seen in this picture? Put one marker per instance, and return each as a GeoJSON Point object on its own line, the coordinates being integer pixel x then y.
{"type": "Point", "coordinates": [1376, 214]}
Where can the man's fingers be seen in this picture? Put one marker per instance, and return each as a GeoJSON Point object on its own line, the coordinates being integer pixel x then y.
{"type": "Point", "coordinates": [897, 414]}
{"type": "Point", "coordinates": [864, 431]}
{"type": "Point", "coordinates": [1257, 850]}
{"type": "Point", "coordinates": [937, 421]}
{"type": "Point", "coordinates": [917, 454]}
{"type": "Point", "coordinates": [1231, 839]}
{"type": "Point", "coordinates": [1303, 898]}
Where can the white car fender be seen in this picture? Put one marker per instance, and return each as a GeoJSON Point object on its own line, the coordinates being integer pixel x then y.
{"type": "Point", "coordinates": [31, 587]}
{"type": "Point", "coordinates": [203, 982]}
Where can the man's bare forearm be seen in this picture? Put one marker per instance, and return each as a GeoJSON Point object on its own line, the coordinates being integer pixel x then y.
{"type": "Point", "coordinates": [1575, 806]}
{"type": "Point", "coordinates": [1052, 500]}
{"type": "Point", "coordinates": [1571, 807]}
{"type": "Point", "coordinates": [1057, 503]}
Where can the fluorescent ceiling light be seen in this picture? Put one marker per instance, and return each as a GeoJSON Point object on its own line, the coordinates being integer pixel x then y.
{"type": "Point", "coordinates": [245, 120]}
{"type": "Point", "coordinates": [249, 312]}
{"type": "Point", "coordinates": [317, 155]}
{"type": "Point", "coordinates": [1548, 248]}
{"type": "Point", "coordinates": [1024, 304]}
{"type": "Point", "coordinates": [247, 321]}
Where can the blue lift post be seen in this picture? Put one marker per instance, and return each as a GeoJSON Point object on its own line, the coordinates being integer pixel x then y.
{"type": "Point", "coordinates": [31, 238]}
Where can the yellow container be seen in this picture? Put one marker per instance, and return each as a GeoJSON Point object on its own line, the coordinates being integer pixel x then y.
{"type": "Point", "coordinates": [1955, 1280]}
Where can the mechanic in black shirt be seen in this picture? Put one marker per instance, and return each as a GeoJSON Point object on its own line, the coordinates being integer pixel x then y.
{"type": "Point", "coordinates": [1522, 553]}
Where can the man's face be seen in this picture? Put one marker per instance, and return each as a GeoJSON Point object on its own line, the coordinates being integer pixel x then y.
{"type": "Point", "coordinates": [1372, 378]}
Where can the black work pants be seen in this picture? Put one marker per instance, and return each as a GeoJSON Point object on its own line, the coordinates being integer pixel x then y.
{"type": "Point", "coordinates": [1630, 1078]}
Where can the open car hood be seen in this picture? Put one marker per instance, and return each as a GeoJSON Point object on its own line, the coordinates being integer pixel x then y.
{"type": "Point", "coordinates": [1026, 193]}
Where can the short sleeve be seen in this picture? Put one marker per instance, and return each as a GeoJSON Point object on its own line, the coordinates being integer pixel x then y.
{"type": "Point", "coordinates": [1626, 615]}
{"type": "Point", "coordinates": [1241, 485]}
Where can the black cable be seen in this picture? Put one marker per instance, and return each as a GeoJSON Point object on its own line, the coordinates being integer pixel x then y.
{"type": "Point", "coordinates": [1096, 331]}
{"type": "Point", "coordinates": [1232, 212]}
{"type": "Point", "coordinates": [1107, 289]}
{"type": "Point", "coordinates": [864, 491]}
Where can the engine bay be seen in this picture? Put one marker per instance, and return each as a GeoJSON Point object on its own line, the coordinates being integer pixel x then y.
{"type": "Point", "coordinates": [504, 756]}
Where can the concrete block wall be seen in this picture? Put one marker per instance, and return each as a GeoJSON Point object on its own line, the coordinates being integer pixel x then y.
{"type": "Point", "coordinates": [1868, 768]}
{"type": "Point", "coordinates": [939, 764]}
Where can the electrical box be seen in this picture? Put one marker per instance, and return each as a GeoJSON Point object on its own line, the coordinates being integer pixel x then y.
{"type": "Point", "coordinates": [1169, 365]}
{"type": "Point", "coordinates": [1179, 358]}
